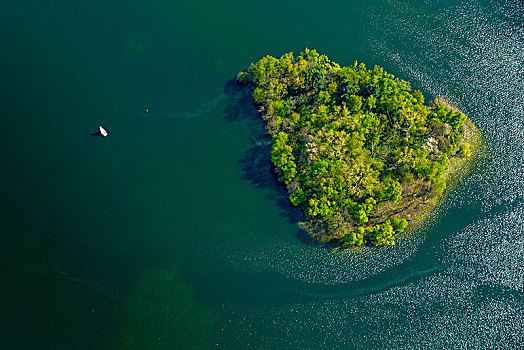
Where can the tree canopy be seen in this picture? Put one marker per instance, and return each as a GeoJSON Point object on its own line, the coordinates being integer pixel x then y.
{"type": "Point", "coordinates": [357, 150]}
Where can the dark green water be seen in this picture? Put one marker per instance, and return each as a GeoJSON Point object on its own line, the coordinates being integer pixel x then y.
{"type": "Point", "coordinates": [171, 233]}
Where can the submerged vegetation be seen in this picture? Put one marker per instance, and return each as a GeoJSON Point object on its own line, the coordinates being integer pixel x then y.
{"type": "Point", "coordinates": [163, 312]}
{"type": "Point", "coordinates": [358, 152]}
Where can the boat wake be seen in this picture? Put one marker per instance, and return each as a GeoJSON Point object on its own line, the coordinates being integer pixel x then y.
{"type": "Point", "coordinates": [203, 109]}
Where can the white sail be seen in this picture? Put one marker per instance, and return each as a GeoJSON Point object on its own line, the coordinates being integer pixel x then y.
{"type": "Point", "coordinates": [103, 131]}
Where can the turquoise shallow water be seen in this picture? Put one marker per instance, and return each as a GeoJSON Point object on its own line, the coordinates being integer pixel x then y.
{"type": "Point", "coordinates": [172, 233]}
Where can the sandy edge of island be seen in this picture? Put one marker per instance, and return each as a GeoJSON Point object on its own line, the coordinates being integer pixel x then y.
{"type": "Point", "coordinates": [459, 168]}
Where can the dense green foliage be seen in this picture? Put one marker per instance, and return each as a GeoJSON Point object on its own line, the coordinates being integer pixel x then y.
{"type": "Point", "coordinates": [355, 148]}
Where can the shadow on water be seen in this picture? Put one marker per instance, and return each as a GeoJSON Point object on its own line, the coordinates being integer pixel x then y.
{"type": "Point", "coordinates": [255, 164]}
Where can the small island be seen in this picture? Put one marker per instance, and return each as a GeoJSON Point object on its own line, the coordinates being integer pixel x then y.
{"type": "Point", "coordinates": [357, 151]}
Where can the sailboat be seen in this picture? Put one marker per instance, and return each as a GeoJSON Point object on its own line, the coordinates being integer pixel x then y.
{"type": "Point", "coordinates": [103, 131]}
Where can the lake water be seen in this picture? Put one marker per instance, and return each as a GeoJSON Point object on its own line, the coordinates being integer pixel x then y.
{"type": "Point", "coordinates": [172, 233]}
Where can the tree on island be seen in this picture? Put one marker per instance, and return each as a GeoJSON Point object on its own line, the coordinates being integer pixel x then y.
{"type": "Point", "coordinates": [357, 151]}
